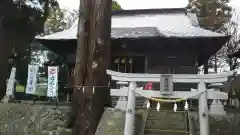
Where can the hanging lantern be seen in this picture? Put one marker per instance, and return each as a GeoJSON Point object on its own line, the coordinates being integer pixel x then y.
{"type": "Point", "coordinates": [11, 60]}
{"type": "Point", "coordinates": [175, 107]}
{"type": "Point", "coordinates": [186, 105]}
{"type": "Point", "coordinates": [83, 89]}
{"type": "Point", "coordinates": [130, 61]}
{"type": "Point", "coordinates": [123, 61]}
{"type": "Point", "coordinates": [158, 107]}
{"type": "Point", "coordinates": [116, 61]}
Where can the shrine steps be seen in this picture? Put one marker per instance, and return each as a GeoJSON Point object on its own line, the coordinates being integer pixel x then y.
{"type": "Point", "coordinates": [166, 123]}
{"type": "Point", "coordinates": [140, 102]}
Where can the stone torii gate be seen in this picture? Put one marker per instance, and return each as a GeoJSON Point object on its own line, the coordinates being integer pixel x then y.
{"type": "Point", "coordinates": [166, 91]}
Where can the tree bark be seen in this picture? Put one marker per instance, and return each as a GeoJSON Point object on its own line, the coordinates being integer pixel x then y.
{"type": "Point", "coordinates": [5, 52]}
{"type": "Point", "coordinates": [92, 60]}
{"type": "Point", "coordinates": [233, 63]}
{"type": "Point", "coordinates": [205, 67]}
{"type": "Point", "coordinates": [23, 50]}
{"type": "Point", "coordinates": [215, 64]}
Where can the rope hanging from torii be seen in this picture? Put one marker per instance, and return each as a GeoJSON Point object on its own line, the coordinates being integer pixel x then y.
{"type": "Point", "coordinates": [186, 106]}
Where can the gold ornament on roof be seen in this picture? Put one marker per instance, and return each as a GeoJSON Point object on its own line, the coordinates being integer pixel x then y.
{"type": "Point", "coordinates": [130, 61]}
{"type": "Point", "coordinates": [117, 60]}
{"type": "Point", "coordinates": [123, 60]}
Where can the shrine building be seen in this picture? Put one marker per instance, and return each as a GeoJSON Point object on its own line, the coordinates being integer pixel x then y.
{"type": "Point", "coordinates": [146, 41]}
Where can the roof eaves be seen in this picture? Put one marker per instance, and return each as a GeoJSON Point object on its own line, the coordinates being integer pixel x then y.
{"type": "Point", "coordinates": [148, 11]}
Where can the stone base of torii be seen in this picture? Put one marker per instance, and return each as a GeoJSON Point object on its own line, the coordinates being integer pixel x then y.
{"type": "Point", "coordinates": [216, 108]}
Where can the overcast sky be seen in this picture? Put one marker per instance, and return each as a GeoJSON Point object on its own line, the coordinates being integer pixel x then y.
{"type": "Point", "coordinates": [134, 4]}
{"type": "Point", "coordinates": [141, 4]}
{"type": "Point", "coordinates": [144, 4]}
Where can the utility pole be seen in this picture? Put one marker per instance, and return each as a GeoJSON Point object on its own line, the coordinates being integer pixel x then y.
{"type": "Point", "coordinates": [91, 91]}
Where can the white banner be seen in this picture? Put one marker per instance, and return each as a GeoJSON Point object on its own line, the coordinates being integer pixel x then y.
{"type": "Point", "coordinates": [52, 90]}
{"type": "Point", "coordinates": [32, 79]}
{"type": "Point", "coordinates": [10, 82]}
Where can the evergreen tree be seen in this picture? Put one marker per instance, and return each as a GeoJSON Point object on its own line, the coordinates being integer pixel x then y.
{"type": "Point", "coordinates": [212, 15]}
{"type": "Point", "coordinates": [92, 60]}
{"type": "Point", "coordinates": [20, 21]}
{"type": "Point", "coordinates": [57, 20]}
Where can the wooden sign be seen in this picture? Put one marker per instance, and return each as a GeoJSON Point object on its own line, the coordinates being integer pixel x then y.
{"type": "Point", "coordinates": [166, 84]}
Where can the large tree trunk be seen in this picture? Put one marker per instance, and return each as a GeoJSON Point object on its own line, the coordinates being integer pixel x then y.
{"type": "Point", "coordinates": [23, 49]}
{"type": "Point", "coordinates": [215, 64]}
{"type": "Point", "coordinates": [92, 60]}
{"type": "Point", "coordinates": [5, 52]}
{"type": "Point", "coordinates": [206, 67]}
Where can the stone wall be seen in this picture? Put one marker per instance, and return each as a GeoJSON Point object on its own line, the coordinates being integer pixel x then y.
{"type": "Point", "coordinates": [25, 119]}
{"type": "Point", "coordinates": [113, 120]}
{"type": "Point", "coordinates": [219, 125]}
{"type": "Point", "coordinates": [20, 119]}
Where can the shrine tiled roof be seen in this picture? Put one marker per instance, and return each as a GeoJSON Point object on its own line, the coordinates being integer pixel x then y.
{"type": "Point", "coordinates": [135, 32]}
{"type": "Point", "coordinates": [146, 23]}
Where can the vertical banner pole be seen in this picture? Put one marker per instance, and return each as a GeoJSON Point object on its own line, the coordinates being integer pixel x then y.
{"type": "Point", "coordinates": [9, 95]}
{"type": "Point", "coordinates": [11, 82]}
{"type": "Point", "coordinates": [130, 112]}
{"type": "Point", "coordinates": [203, 109]}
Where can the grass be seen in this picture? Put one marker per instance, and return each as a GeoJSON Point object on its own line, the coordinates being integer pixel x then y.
{"type": "Point", "coordinates": [41, 90]}
{"type": "Point", "coordinates": [20, 88]}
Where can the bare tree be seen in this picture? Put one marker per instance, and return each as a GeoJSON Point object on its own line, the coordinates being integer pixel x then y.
{"type": "Point", "coordinates": [212, 15]}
